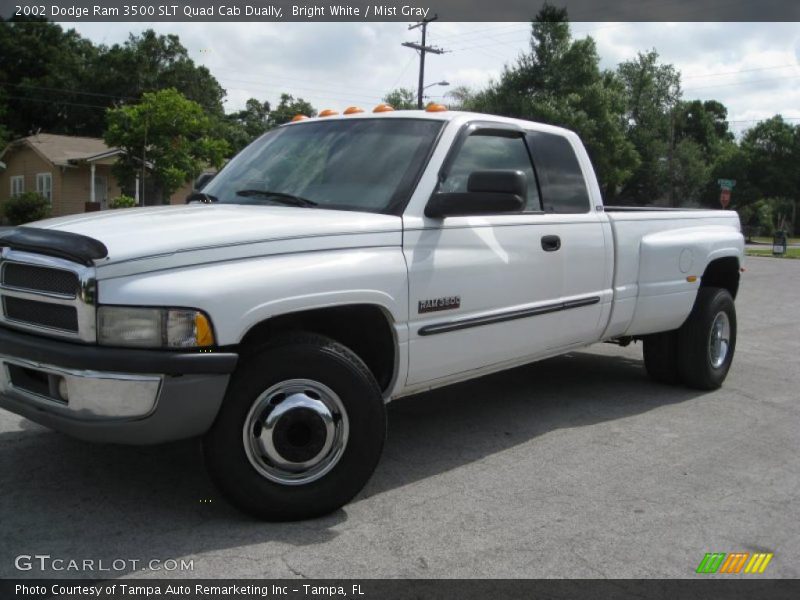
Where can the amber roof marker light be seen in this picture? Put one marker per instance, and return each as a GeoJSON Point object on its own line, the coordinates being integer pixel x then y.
{"type": "Point", "coordinates": [383, 107]}
{"type": "Point", "coordinates": [433, 107]}
{"type": "Point", "coordinates": [353, 110]}
{"type": "Point", "coordinates": [328, 112]}
{"type": "Point", "coordinates": [297, 118]}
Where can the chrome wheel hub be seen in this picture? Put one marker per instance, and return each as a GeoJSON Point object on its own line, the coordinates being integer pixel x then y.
{"type": "Point", "coordinates": [719, 342]}
{"type": "Point", "coordinates": [296, 431]}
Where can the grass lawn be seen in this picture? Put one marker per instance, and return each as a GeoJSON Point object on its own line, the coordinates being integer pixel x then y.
{"type": "Point", "coordinates": [790, 252]}
{"type": "Point", "coordinates": [768, 240]}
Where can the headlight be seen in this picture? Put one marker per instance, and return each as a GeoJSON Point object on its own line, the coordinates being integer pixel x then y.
{"type": "Point", "coordinates": [153, 327]}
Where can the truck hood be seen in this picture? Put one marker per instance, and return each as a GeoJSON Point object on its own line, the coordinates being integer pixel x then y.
{"type": "Point", "coordinates": [138, 233]}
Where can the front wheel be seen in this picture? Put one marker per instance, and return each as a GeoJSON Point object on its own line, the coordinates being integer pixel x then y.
{"type": "Point", "coordinates": [300, 431]}
{"type": "Point", "coordinates": [707, 340]}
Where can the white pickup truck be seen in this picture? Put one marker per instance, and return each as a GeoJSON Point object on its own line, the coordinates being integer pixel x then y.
{"type": "Point", "coordinates": [339, 263]}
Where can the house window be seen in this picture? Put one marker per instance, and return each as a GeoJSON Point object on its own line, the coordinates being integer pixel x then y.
{"type": "Point", "coordinates": [44, 185]}
{"type": "Point", "coordinates": [17, 185]}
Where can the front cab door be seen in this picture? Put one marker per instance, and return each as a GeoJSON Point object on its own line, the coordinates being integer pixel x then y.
{"type": "Point", "coordinates": [482, 288]}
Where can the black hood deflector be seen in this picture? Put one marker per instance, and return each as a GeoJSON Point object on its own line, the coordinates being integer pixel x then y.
{"type": "Point", "coordinates": [51, 242]}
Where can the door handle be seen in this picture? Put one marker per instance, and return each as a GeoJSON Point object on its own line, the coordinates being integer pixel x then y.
{"type": "Point", "coordinates": [551, 243]}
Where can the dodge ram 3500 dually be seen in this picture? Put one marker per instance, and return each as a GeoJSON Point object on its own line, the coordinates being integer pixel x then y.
{"type": "Point", "coordinates": [339, 263]}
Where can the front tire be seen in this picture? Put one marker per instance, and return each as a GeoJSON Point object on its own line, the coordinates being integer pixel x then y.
{"type": "Point", "coordinates": [300, 431]}
{"type": "Point", "coordinates": [707, 340]}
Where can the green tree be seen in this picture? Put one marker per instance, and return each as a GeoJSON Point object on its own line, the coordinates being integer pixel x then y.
{"type": "Point", "coordinates": [401, 99]}
{"type": "Point", "coordinates": [150, 62]}
{"type": "Point", "coordinates": [706, 123]}
{"type": "Point", "coordinates": [5, 134]}
{"type": "Point", "coordinates": [652, 92]}
{"type": "Point", "coordinates": [60, 82]}
{"type": "Point", "coordinates": [170, 132]}
{"type": "Point", "coordinates": [559, 81]}
{"type": "Point", "coordinates": [771, 155]}
{"type": "Point", "coordinates": [288, 108]}
{"type": "Point", "coordinates": [462, 97]}
{"type": "Point", "coordinates": [45, 73]}
{"type": "Point", "coordinates": [242, 127]}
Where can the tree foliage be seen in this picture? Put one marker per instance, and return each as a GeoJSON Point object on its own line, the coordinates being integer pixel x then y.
{"type": "Point", "coordinates": [59, 82]}
{"type": "Point", "coordinates": [25, 208]}
{"type": "Point", "coordinates": [169, 132]}
{"type": "Point", "coordinates": [401, 99]}
{"type": "Point", "coordinates": [559, 81]}
{"type": "Point", "coordinates": [288, 108]}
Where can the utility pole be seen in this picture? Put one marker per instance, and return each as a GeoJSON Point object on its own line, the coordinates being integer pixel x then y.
{"type": "Point", "coordinates": [422, 49]}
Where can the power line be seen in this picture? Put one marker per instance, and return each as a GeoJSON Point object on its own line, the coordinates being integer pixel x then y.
{"type": "Point", "coordinates": [703, 87]}
{"type": "Point", "coordinates": [422, 49]}
{"type": "Point", "coordinates": [786, 66]}
{"type": "Point", "coordinates": [58, 102]}
{"type": "Point", "coordinates": [67, 91]}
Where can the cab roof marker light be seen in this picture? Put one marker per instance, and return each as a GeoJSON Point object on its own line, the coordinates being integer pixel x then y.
{"type": "Point", "coordinates": [353, 110]}
{"type": "Point", "coordinates": [328, 112]}
{"type": "Point", "coordinates": [433, 107]}
{"type": "Point", "coordinates": [299, 118]}
{"type": "Point", "coordinates": [381, 108]}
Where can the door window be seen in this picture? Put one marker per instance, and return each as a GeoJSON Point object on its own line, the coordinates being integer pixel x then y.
{"type": "Point", "coordinates": [563, 185]}
{"type": "Point", "coordinates": [491, 152]}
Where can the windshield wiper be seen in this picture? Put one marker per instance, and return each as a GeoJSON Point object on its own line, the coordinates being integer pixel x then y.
{"type": "Point", "coordinates": [280, 197]}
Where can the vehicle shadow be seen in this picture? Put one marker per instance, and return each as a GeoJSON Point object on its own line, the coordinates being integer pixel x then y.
{"type": "Point", "coordinates": [69, 498]}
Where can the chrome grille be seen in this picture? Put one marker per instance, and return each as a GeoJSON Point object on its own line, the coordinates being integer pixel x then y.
{"type": "Point", "coordinates": [47, 295]}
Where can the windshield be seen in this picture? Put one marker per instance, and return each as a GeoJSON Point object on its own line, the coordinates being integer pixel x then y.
{"type": "Point", "coordinates": [368, 165]}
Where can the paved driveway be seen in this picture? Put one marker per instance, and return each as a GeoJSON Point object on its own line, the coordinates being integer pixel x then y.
{"type": "Point", "coordinates": [578, 466]}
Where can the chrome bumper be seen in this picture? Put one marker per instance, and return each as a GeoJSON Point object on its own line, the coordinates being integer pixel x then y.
{"type": "Point", "coordinates": [80, 393]}
{"type": "Point", "coordinates": [110, 394]}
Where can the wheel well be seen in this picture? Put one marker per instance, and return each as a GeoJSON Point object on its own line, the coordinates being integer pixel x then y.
{"type": "Point", "coordinates": [363, 328]}
{"type": "Point", "coordinates": [724, 273]}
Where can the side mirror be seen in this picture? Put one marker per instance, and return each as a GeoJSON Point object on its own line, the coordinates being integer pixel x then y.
{"type": "Point", "coordinates": [488, 193]}
{"type": "Point", "coordinates": [203, 180]}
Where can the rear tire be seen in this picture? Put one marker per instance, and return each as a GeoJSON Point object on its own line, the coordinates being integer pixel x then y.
{"type": "Point", "coordinates": [707, 340]}
{"type": "Point", "coordinates": [661, 357]}
{"type": "Point", "coordinates": [300, 431]}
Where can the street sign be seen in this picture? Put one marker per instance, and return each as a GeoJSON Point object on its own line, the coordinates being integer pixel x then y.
{"type": "Point", "coordinates": [725, 197]}
{"type": "Point", "coordinates": [726, 184]}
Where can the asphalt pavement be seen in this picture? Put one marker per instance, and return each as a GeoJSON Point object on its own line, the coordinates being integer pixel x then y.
{"type": "Point", "coordinates": [578, 466]}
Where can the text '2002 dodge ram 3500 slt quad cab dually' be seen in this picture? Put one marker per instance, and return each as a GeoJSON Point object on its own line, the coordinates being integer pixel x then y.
{"type": "Point", "coordinates": [336, 264]}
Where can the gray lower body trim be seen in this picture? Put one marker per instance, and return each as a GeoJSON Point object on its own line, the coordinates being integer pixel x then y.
{"type": "Point", "coordinates": [187, 406]}
{"type": "Point", "coordinates": [466, 323]}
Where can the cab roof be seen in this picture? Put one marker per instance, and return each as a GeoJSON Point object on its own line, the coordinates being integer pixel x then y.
{"type": "Point", "coordinates": [448, 115]}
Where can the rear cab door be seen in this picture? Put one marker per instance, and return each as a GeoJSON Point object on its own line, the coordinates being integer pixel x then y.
{"type": "Point", "coordinates": [573, 211]}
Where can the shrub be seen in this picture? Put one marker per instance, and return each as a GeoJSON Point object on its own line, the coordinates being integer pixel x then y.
{"type": "Point", "coordinates": [25, 208]}
{"type": "Point", "coordinates": [123, 201]}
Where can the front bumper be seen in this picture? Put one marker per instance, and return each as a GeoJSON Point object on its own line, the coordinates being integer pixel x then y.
{"type": "Point", "coordinates": [112, 395]}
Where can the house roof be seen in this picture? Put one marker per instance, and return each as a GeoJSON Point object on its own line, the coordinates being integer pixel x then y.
{"type": "Point", "coordinates": [65, 150]}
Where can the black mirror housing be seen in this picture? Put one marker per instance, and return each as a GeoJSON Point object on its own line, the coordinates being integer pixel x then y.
{"type": "Point", "coordinates": [488, 193]}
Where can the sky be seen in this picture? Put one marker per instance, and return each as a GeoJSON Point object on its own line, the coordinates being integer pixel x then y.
{"type": "Point", "coordinates": [753, 68]}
